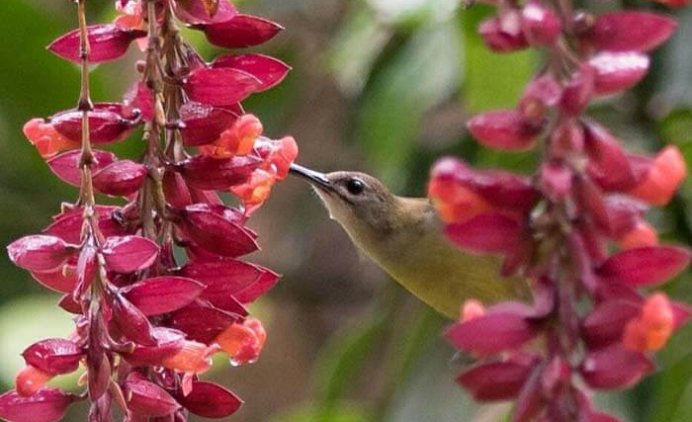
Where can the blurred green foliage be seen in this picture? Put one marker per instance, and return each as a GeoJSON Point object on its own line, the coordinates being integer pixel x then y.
{"type": "Point", "coordinates": [408, 74]}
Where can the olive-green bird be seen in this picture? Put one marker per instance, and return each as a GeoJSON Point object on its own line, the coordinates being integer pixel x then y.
{"type": "Point", "coordinates": [404, 237]}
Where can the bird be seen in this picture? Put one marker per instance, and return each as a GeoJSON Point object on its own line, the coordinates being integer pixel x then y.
{"type": "Point", "coordinates": [404, 236]}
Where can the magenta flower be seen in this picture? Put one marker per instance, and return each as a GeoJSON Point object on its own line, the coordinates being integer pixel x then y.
{"type": "Point", "coordinates": [147, 321]}
{"type": "Point", "coordinates": [557, 228]}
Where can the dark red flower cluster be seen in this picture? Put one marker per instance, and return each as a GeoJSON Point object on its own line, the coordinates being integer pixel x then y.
{"type": "Point", "coordinates": [156, 285]}
{"type": "Point", "coordinates": [575, 229]}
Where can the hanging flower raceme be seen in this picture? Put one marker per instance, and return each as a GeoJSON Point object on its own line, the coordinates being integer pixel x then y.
{"type": "Point", "coordinates": [589, 196]}
{"type": "Point", "coordinates": [147, 320]}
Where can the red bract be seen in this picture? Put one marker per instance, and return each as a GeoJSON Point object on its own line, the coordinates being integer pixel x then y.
{"type": "Point", "coordinates": [220, 86]}
{"type": "Point", "coordinates": [47, 405]}
{"type": "Point", "coordinates": [160, 295]}
{"type": "Point", "coordinates": [220, 233]}
{"type": "Point", "coordinates": [630, 31]}
{"type": "Point", "coordinates": [504, 130]}
{"type": "Point", "coordinates": [66, 165]}
{"type": "Point", "coordinates": [121, 178]}
{"type": "Point", "coordinates": [148, 317]}
{"type": "Point", "coordinates": [127, 254]}
{"type": "Point", "coordinates": [203, 123]}
{"type": "Point", "coordinates": [208, 173]}
{"type": "Point", "coordinates": [617, 72]}
{"type": "Point", "coordinates": [498, 380]}
{"type": "Point", "coordinates": [645, 266]}
{"type": "Point", "coordinates": [108, 123]}
{"type": "Point", "coordinates": [575, 227]}
{"type": "Point", "coordinates": [108, 42]}
{"type": "Point", "coordinates": [210, 400]}
{"type": "Point", "coordinates": [39, 253]}
{"type": "Point", "coordinates": [144, 398]}
{"type": "Point", "coordinates": [241, 31]}
{"type": "Point", "coordinates": [268, 70]}
{"type": "Point", "coordinates": [503, 34]}
{"type": "Point", "coordinates": [54, 356]}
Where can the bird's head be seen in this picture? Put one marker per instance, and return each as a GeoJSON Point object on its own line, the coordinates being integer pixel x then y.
{"type": "Point", "coordinates": [358, 201]}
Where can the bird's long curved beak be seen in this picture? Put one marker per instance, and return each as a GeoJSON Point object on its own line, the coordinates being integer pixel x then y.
{"type": "Point", "coordinates": [315, 178]}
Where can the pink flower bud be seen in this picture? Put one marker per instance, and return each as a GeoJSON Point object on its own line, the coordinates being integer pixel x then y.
{"type": "Point", "coordinates": [645, 266]}
{"type": "Point", "coordinates": [146, 398]}
{"type": "Point", "coordinates": [160, 295]}
{"type": "Point", "coordinates": [54, 356]}
{"type": "Point", "coordinates": [66, 165]}
{"type": "Point", "coordinates": [630, 31]}
{"type": "Point", "coordinates": [202, 123]}
{"type": "Point", "coordinates": [493, 332]}
{"type": "Point", "coordinates": [127, 254]}
{"type": "Point", "coordinates": [46, 405]}
{"type": "Point", "coordinates": [501, 380]}
{"type": "Point", "coordinates": [503, 130]}
{"type": "Point", "coordinates": [121, 178]}
{"type": "Point", "coordinates": [241, 31]}
{"type": "Point", "coordinates": [268, 70]}
{"type": "Point", "coordinates": [220, 86]}
{"type": "Point", "coordinates": [210, 400]}
{"type": "Point", "coordinates": [540, 24]}
{"type": "Point", "coordinates": [209, 173]}
{"type": "Point", "coordinates": [614, 368]}
{"type": "Point", "coordinates": [617, 72]}
{"type": "Point", "coordinates": [40, 253]}
{"type": "Point", "coordinates": [503, 34]}
{"type": "Point", "coordinates": [108, 123]}
{"type": "Point", "coordinates": [107, 42]}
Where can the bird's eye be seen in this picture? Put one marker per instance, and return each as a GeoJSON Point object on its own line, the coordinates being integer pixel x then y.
{"type": "Point", "coordinates": [355, 186]}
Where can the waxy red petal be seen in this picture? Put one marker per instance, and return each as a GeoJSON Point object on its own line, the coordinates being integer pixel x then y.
{"type": "Point", "coordinates": [66, 165]}
{"type": "Point", "coordinates": [631, 31]}
{"type": "Point", "coordinates": [209, 173]}
{"type": "Point", "coordinates": [107, 42]}
{"type": "Point", "coordinates": [578, 91]}
{"type": "Point", "coordinates": [68, 225]}
{"type": "Point", "coordinates": [491, 333]}
{"type": "Point", "coordinates": [496, 380]}
{"type": "Point", "coordinates": [160, 295]}
{"type": "Point", "coordinates": [197, 11]}
{"type": "Point", "coordinates": [268, 70]}
{"type": "Point", "coordinates": [63, 279]}
{"type": "Point", "coordinates": [121, 178]}
{"type": "Point", "coordinates": [605, 324]}
{"type": "Point", "coordinates": [617, 72]}
{"type": "Point", "coordinates": [220, 86]}
{"type": "Point", "coordinates": [241, 31]}
{"type": "Point", "coordinates": [486, 233]}
{"type": "Point", "coordinates": [266, 281]}
{"type": "Point", "coordinates": [148, 399]}
{"type": "Point", "coordinates": [504, 130]}
{"type": "Point", "coordinates": [40, 253]}
{"type": "Point", "coordinates": [216, 233]}
{"type": "Point", "coordinates": [168, 343]}
{"type": "Point", "coordinates": [68, 304]}
{"type": "Point", "coordinates": [54, 356]}
{"type": "Point", "coordinates": [47, 405]}
{"type": "Point", "coordinates": [202, 323]}
{"type": "Point", "coordinates": [127, 254]}
{"type": "Point", "coordinates": [203, 123]}
{"type": "Point", "coordinates": [645, 266]}
{"type": "Point", "coordinates": [132, 323]}
{"type": "Point", "coordinates": [107, 123]}
{"type": "Point", "coordinates": [222, 278]}
{"type": "Point", "coordinates": [210, 400]}
{"type": "Point", "coordinates": [140, 99]}
{"type": "Point", "coordinates": [176, 190]}
{"type": "Point", "coordinates": [608, 163]}
{"type": "Point", "coordinates": [540, 24]}
{"type": "Point", "coordinates": [499, 39]}
{"type": "Point", "coordinates": [614, 368]}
